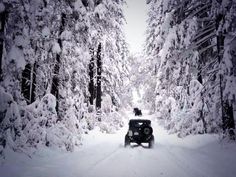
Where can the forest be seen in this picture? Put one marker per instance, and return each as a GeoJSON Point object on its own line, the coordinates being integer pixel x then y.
{"type": "Point", "coordinates": [66, 68]}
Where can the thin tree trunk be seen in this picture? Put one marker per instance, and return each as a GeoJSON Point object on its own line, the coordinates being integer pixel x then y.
{"type": "Point", "coordinates": [99, 73]}
{"type": "Point", "coordinates": [26, 83]}
{"type": "Point", "coordinates": [1, 55]}
{"type": "Point", "coordinates": [202, 115]}
{"type": "Point", "coordinates": [3, 17]}
{"type": "Point", "coordinates": [228, 124]}
{"type": "Point", "coordinates": [32, 83]}
{"type": "Point", "coordinates": [228, 118]}
{"type": "Point", "coordinates": [55, 80]}
{"type": "Point", "coordinates": [91, 77]}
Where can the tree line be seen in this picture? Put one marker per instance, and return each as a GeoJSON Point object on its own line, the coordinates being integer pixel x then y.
{"type": "Point", "coordinates": [190, 49]}
{"type": "Point", "coordinates": [74, 50]}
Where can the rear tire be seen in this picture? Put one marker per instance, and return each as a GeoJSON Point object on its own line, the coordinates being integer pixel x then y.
{"type": "Point", "coordinates": [151, 143]}
{"type": "Point", "coordinates": [127, 142]}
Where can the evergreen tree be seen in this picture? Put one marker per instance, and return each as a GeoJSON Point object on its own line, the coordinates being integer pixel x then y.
{"type": "Point", "coordinates": [188, 40]}
{"type": "Point", "coordinates": [44, 61]}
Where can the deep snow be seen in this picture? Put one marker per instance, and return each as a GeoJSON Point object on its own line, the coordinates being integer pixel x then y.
{"type": "Point", "coordinates": [103, 155]}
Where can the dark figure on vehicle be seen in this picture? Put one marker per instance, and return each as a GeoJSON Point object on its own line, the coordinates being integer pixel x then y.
{"type": "Point", "coordinates": [140, 131]}
{"type": "Point", "coordinates": [137, 112]}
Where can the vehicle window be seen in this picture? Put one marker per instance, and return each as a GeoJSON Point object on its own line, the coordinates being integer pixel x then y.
{"type": "Point", "coordinates": [137, 124]}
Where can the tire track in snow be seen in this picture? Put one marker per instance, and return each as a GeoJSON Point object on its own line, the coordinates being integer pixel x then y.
{"type": "Point", "coordinates": [181, 163]}
{"type": "Point", "coordinates": [187, 168]}
{"type": "Point", "coordinates": [90, 169]}
{"type": "Point", "coordinates": [124, 161]}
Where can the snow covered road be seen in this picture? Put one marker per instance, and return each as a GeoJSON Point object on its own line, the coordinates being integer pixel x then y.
{"type": "Point", "coordinates": [103, 155]}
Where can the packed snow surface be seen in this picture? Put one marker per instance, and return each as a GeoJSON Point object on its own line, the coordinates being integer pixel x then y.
{"type": "Point", "coordinates": [103, 155]}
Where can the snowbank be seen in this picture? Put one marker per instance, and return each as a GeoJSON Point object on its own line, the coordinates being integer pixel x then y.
{"type": "Point", "coordinates": [26, 128]}
{"type": "Point", "coordinates": [106, 122]}
{"type": "Point", "coordinates": [110, 119]}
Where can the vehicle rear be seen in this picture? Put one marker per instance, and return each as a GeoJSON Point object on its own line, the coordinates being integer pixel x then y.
{"type": "Point", "coordinates": [140, 131]}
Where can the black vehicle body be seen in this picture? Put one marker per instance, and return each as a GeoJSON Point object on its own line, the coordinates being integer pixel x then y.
{"type": "Point", "coordinates": [137, 112]}
{"type": "Point", "coordinates": [140, 131]}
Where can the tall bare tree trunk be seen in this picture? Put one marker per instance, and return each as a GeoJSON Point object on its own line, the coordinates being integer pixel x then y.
{"type": "Point", "coordinates": [56, 80]}
{"type": "Point", "coordinates": [91, 77]}
{"type": "Point", "coordinates": [28, 83]}
{"type": "Point", "coordinates": [3, 17]}
{"type": "Point", "coordinates": [99, 73]}
{"type": "Point", "coordinates": [228, 124]}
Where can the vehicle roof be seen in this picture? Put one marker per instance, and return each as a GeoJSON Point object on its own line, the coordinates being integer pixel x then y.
{"type": "Point", "coordinates": [139, 120]}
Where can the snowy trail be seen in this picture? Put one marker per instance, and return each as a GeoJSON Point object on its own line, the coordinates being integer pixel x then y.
{"type": "Point", "coordinates": [103, 155]}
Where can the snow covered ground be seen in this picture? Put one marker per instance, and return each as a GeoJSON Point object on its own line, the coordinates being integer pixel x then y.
{"type": "Point", "coordinates": [103, 155]}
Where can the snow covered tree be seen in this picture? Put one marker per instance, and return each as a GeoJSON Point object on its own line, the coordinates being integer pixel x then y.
{"type": "Point", "coordinates": [225, 21]}
{"type": "Point", "coordinates": [187, 38]}
{"type": "Point", "coordinates": [55, 80]}
{"type": "Point", "coordinates": [209, 43]}
{"type": "Point", "coordinates": [32, 53]}
{"type": "Point", "coordinates": [107, 29]}
{"type": "Point", "coordinates": [44, 61]}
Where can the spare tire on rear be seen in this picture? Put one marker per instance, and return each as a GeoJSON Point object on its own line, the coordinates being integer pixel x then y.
{"type": "Point", "coordinates": [147, 130]}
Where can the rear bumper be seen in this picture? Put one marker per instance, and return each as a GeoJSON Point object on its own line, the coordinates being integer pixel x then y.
{"type": "Point", "coordinates": [138, 139]}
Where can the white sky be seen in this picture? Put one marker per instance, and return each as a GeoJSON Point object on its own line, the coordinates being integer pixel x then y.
{"type": "Point", "coordinates": [136, 15]}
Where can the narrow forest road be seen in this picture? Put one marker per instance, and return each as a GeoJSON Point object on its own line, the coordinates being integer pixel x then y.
{"type": "Point", "coordinates": [103, 155]}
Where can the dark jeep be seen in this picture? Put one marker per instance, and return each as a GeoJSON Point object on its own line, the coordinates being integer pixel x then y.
{"type": "Point", "coordinates": [140, 131]}
{"type": "Point", "coordinates": [137, 112]}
